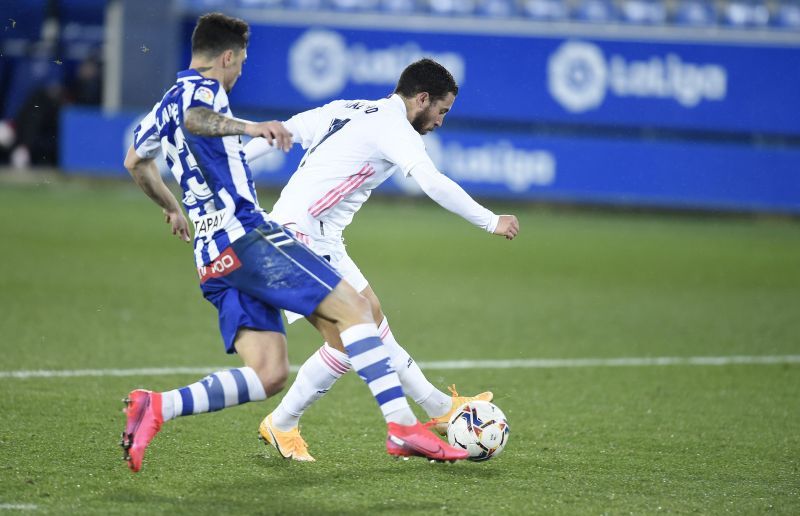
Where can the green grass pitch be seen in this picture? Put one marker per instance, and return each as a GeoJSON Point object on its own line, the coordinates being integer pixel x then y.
{"type": "Point", "coordinates": [92, 280]}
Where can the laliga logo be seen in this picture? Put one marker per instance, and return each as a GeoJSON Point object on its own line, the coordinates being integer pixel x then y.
{"type": "Point", "coordinates": [318, 63]}
{"type": "Point", "coordinates": [579, 77]}
{"type": "Point", "coordinates": [321, 63]}
{"type": "Point", "coordinates": [576, 76]}
{"type": "Point", "coordinates": [493, 162]}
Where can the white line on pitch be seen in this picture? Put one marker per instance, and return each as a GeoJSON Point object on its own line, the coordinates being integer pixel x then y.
{"type": "Point", "coordinates": [534, 363]}
{"type": "Point", "coordinates": [18, 507]}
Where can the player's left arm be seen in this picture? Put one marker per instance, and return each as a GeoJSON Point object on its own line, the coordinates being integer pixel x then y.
{"type": "Point", "coordinates": [145, 172]}
{"type": "Point", "coordinates": [449, 195]}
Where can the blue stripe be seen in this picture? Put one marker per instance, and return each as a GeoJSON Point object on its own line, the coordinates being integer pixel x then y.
{"type": "Point", "coordinates": [241, 386]}
{"type": "Point", "coordinates": [362, 346]}
{"type": "Point", "coordinates": [389, 394]}
{"type": "Point", "coordinates": [222, 240]}
{"type": "Point", "coordinates": [188, 401]}
{"type": "Point", "coordinates": [216, 394]}
{"type": "Point", "coordinates": [145, 136]}
{"type": "Point", "coordinates": [374, 371]}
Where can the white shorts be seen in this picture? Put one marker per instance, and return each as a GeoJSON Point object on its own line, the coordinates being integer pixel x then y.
{"type": "Point", "coordinates": [340, 261]}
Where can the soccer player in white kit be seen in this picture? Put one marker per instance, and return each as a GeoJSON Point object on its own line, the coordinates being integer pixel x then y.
{"type": "Point", "coordinates": [353, 147]}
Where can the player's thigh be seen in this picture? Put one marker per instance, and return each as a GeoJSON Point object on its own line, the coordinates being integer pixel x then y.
{"type": "Point", "coordinates": [266, 353]}
{"type": "Point", "coordinates": [328, 330]}
{"type": "Point", "coordinates": [350, 272]}
{"type": "Point", "coordinates": [374, 303]}
{"type": "Point", "coordinates": [345, 307]}
{"type": "Point", "coordinates": [272, 266]}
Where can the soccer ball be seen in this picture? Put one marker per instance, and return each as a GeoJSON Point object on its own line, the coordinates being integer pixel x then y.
{"type": "Point", "coordinates": [480, 428]}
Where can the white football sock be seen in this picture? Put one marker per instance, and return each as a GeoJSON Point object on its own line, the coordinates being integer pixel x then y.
{"type": "Point", "coordinates": [433, 401]}
{"type": "Point", "coordinates": [316, 376]}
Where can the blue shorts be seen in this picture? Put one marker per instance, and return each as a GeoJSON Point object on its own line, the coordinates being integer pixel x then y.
{"type": "Point", "coordinates": [260, 273]}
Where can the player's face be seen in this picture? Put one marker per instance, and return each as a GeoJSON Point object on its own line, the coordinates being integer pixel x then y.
{"type": "Point", "coordinates": [432, 116]}
{"type": "Point", "coordinates": [233, 69]}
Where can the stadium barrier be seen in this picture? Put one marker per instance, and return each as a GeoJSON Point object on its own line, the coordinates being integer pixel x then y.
{"type": "Point", "coordinates": [518, 166]}
{"type": "Point", "coordinates": [696, 86]}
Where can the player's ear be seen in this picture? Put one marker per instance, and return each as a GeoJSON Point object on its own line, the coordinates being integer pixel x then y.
{"type": "Point", "coordinates": [227, 58]}
{"type": "Point", "coordinates": [422, 98]}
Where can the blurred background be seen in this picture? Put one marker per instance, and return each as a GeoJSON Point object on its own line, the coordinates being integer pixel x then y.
{"type": "Point", "coordinates": [687, 104]}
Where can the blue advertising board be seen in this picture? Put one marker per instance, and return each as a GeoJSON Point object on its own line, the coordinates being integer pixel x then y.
{"type": "Point", "coordinates": [526, 167]}
{"type": "Point", "coordinates": [704, 86]}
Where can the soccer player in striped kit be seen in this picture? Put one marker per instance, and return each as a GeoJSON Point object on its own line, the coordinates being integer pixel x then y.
{"type": "Point", "coordinates": [249, 266]}
{"type": "Point", "coordinates": [354, 146]}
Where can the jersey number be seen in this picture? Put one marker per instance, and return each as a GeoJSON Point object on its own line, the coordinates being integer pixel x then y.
{"type": "Point", "coordinates": [336, 124]}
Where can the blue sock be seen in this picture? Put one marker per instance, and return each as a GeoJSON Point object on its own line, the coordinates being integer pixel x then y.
{"type": "Point", "coordinates": [370, 359]}
{"type": "Point", "coordinates": [214, 392]}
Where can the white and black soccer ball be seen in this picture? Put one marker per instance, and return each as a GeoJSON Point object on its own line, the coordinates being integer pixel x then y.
{"type": "Point", "coordinates": [480, 428]}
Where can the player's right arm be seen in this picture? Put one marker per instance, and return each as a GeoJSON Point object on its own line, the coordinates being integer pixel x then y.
{"type": "Point", "coordinates": [207, 122]}
{"type": "Point", "coordinates": [404, 147]}
{"type": "Point", "coordinates": [302, 127]}
{"type": "Point", "coordinates": [145, 172]}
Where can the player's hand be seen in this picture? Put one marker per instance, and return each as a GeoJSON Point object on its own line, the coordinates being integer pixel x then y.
{"type": "Point", "coordinates": [508, 226]}
{"type": "Point", "coordinates": [274, 132]}
{"type": "Point", "coordinates": [178, 223]}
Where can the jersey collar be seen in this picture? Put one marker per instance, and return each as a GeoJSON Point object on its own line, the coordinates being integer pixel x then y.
{"type": "Point", "coordinates": [191, 72]}
{"type": "Point", "coordinates": [397, 101]}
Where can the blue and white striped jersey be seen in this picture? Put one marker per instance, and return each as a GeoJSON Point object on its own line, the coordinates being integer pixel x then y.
{"type": "Point", "coordinates": [218, 190]}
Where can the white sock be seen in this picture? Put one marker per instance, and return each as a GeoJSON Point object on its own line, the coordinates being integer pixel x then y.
{"type": "Point", "coordinates": [370, 359]}
{"type": "Point", "coordinates": [316, 376]}
{"type": "Point", "coordinates": [433, 401]}
{"type": "Point", "coordinates": [214, 392]}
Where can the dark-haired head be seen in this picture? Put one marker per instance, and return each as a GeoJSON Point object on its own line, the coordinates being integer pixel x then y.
{"type": "Point", "coordinates": [219, 47]}
{"type": "Point", "coordinates": [428, 91]}
{"type": "Point", "coordinates": [215, 33]}
{"type": "Point", "coordinates": [429, 76]}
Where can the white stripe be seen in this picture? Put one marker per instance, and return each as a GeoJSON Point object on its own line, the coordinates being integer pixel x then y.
{"type": "Point", "coordinates": [394, 405]}
{"type": "Point", "coordinates": [18, 507]}
{"type": "Point", "coordinates": [229, 388]}
{"type": "Point", "coordinates": [533, 363]}
{"type": "Point", "coordinates": [236, 166]}
{"type": "Point", "coordinates": [610, 362]}
{"type": "Point", "coordinates": [178, 399]}
{"type": "Point", "coordinates": [199, 397]}
{"type": "Point", "coordinates": [234, 227]}
{"type": "Point", "coordinates": [254, 386]}
{"type": "Point", "coordinates": [370, 357]}
{"type": "Point", "coordinates": [383, 383]}
{"type": "Point", "coordinates": [358, 332]}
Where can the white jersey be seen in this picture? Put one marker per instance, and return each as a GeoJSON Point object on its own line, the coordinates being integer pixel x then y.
{"type": "Point", "coordinates": [352, 147]}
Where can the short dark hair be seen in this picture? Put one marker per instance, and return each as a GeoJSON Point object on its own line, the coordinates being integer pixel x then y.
{"type": "Point", "coordinates": [426, 75]}
{"type": "Point", "coordinates": [215, 33]}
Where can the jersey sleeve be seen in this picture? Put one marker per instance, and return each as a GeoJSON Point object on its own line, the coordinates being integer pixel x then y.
{"type": "Point", "coordinates": [205, 94]}
{"type": "Point", "coordinates": [403, 146]}
{"type": "Point", "coordinates": [305, 126]}
{"type": "Point", "coordinates": [146, 142]}
{"type": "Point", "coordinates": [450, 196]}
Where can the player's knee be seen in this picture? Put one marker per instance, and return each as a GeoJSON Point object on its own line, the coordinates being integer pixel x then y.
{"type": "Point", "coordinates": [273, 378]}
{"type": "Point", "coordinates": [361, 307]}
{"type": "Point", "coordinates": [377, 313]}
{"type": "Point", "coordinates": [275, 382]}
